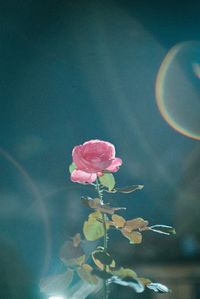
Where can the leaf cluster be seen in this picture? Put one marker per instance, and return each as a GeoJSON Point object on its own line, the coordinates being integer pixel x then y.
{"type": "Point", "coordinates": [132, 229]}
{"type": "Point", "coordinates": [100, 222]}
{"type": "Point", "coordinates": [74, 258]}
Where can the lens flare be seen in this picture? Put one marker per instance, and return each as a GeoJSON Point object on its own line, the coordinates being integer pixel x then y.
{"type": "Point", "coordinates": [38, 197]}
{"type": "Point", "coordinates": [178, 88]}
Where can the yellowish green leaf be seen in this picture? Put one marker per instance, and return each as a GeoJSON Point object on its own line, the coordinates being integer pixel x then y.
{"type": "Point", "coordinates": [72, 167]}
{"type": "Point", "coordinates": [95, 215]}
{"type": "Point", "coordinates": [92, 228]}
{"type": "Point", "coordinates": [107, 180]}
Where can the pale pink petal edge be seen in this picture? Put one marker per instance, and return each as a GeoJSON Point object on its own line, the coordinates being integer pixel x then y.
{"type": "Point", "coordinates": [114, 165]}
{"type": "Point", "coordinates": [79, 176]}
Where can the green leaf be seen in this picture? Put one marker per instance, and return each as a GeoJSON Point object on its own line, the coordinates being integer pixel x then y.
{"type": "Point", "coordinates": [163, 229]}
{"type": "Point", "coordinates": [72, 167]}
{"type": "Point", "coordinates": [107, 180]}
{"type": "Point", "coordinates": [92, 228]}
{"type": "Point", "coordinates": [57, 283]}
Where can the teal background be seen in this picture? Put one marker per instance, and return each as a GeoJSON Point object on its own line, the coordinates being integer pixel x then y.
{"type": "Point", "coordinates": [72, 71]}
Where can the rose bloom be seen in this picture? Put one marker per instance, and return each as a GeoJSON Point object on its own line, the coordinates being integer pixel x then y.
{"type": "Point", "coordinates": [91, 159]}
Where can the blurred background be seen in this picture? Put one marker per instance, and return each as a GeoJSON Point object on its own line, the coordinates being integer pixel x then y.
{"type": "Point", "coordinates": [72, 71]}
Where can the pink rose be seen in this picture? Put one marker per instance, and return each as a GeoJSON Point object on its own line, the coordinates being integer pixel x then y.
{"type": "Point", "coordinates": [92, 158]}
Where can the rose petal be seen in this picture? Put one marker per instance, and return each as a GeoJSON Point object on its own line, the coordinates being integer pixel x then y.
{"type": "Point", "coordinates": [114, 165]}
{"type": "Point", "coordinates": [80, 176]}
{"type": "Point", "coordinates": [100, 147]}
{"type": "Point", "coordinates": [93, 156]}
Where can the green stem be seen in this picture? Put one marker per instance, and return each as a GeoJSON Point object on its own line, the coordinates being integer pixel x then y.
{"type": "Point", "coordinates": [105, 237]}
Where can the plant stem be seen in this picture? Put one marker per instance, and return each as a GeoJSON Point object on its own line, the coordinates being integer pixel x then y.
{"type": "Point", "coordinates": [105, 237]}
